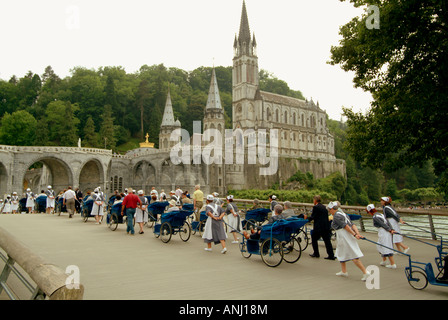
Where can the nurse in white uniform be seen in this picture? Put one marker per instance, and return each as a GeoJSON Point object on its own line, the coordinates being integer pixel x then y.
{"type": "Point", "coordinates": [347, 248]}
{"type": "Point", "coordinates": [385, 232]}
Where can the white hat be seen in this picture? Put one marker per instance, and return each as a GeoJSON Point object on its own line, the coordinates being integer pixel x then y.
{"type": "Point", "coordinates": [386, 199]}
{"type": "Point", "coordinates": [140, 191]}
{"type": "Point", "coordinates": [215, 194]}
{"type": "Point", "coordinates": [274, 197]}
{"type": "Point", "coordinates": [96, 190]}
{"type": "Point", "coordinates": [14, 192]}
{"type": "Point", "coordinates": [370, 207]}
{"type": "Point", "coordinates": [28, 189]}
{"type": "Point", "coordinates": [229, 197]}
{"type": "Point", "coordinates": [210, 197]}
{"type": "Point", "coordinates": [332, 205]}
{"type": "Point", "coordinates": [49, 187]}
{"type": "Point", "coordinates": [172, 202]}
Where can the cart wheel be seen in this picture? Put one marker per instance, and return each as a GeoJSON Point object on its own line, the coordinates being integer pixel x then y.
{"type": "Point", "coordinates": [292, 251]}
{"type": "Point", "coordinates": [251, 224]}
{"type": "Point", "coordinates": [165, 232]}
{"type": "Point", "coordinates": [418, 280]}
{"type": "Point", "coordinates": [151, 220]}
{"type": "Point", "coordinates": [185, 232]}
{"type": "Point", "coordinates": [303, 239]}
{"type": "Point", "coordinates": [244, 252]}
{"type": "Point", "coordinates": [271, 252]}
{"type": "Point", "coordinates": [113, 223]}
{"type": "Point", "coordinates": [85, 214]}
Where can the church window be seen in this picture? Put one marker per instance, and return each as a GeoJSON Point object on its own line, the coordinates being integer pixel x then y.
{"type": "Point", "coordinates": [276, 116]}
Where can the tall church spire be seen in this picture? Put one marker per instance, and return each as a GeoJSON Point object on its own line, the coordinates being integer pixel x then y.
{"type": "Point", "coordinates": [244, 36]}
{"type": "Point", "coordinates": [168, 115]}
{"type": "Point", "coordinates": [214, 100]}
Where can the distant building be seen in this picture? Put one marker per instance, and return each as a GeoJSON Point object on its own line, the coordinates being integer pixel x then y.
{"type": "Point", "coordinates": [304, 143]}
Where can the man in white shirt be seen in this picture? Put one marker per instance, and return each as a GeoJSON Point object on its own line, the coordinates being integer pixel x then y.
{"type": "Point", "coordinates": [69, 201]}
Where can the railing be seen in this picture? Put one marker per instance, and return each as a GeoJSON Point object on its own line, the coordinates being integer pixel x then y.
{"type": "Point", "coordinates": [435, 221]}
{"type": "Point", "coordinates": [50, 281]}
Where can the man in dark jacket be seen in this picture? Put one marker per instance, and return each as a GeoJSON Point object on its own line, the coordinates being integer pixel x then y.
{"type": "Point", "coordinates": [321, 229]}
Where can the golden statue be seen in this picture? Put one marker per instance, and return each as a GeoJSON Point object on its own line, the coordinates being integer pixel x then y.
{"type": "Point", "coordinates": [146, 144]}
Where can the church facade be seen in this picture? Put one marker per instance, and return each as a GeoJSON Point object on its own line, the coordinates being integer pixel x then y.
{"type": "Point", "coordinates": [272, 137]}
{"type": "Point", "coordinates": [303, 140]}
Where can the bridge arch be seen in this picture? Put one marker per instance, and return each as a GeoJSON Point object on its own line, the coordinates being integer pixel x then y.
{"type": "Point", "coordinates": [60, 173]}
{"type": "Point", "coordinates": [3, 179]}
{"type": "Point", "coordinates": [91, 175]}
{"type": "Point", "coordinates": [144, 175]}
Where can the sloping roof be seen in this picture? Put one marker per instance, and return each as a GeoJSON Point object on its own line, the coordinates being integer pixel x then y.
{"type": "Point", "coordinates": [214, 99]}
{"type": "Point", "coordinates": [168, 114]}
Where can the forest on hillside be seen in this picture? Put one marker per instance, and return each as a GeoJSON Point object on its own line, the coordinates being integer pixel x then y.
{"type": "Point", "coordinates": [110, 108]}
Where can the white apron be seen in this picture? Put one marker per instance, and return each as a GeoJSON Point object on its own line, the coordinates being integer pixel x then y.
{"type": "Point", "coordinates": [14, 204]}
{"type": "Point", "coordinates": [30, 200]}
{"type": "Point", "coordinates": [208, 233]}
{"type": "Point", "coordinates": [235, 222]}
{"type": "Point", "coordinates": [7, 207]}
{"type": "Point", "coordinates": [384, 239]}
{"type": "Point", "coordinates": [397, 238]}
{"type": "Point", "coordinates": [98, 209]}
{"type": "Point", "coordinates": [347, 245]}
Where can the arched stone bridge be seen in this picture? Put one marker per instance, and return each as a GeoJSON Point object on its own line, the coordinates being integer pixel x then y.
{"type": "Point", "coordinates": [88, 168]}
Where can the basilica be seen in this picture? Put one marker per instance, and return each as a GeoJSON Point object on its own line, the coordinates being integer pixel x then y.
{"type": "Point", "coordinates": [303, 141]}
{"type": "Point", "coordinates": [272, 137]}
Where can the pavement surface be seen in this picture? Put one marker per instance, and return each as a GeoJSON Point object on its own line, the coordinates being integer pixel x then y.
{"type": "Point", "coordinates": [116, 266]}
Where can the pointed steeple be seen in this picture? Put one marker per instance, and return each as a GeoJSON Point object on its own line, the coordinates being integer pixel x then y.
{"type": "Point", "coordinates": [214, 99]}
{"type": "Point", "coordinates": [168, 115]}
{"type": "Point", "coordinates": [244, 36]}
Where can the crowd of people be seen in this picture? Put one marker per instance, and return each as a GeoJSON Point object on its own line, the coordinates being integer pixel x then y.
{"type": "Point", "coordinates": [325, 219]}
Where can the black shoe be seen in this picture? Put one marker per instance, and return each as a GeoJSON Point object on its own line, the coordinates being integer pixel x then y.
{"type": "Point", "coordinates": [330, 258]}
{"type": "Point", "coordinates": [314, 256]}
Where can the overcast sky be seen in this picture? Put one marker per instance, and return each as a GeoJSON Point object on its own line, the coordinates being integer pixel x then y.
{"type": "Point", "coordinates": [294, 39]}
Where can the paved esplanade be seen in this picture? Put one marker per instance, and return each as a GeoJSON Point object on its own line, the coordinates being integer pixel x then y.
{"type": "Point", "coordinates": [114, 265]}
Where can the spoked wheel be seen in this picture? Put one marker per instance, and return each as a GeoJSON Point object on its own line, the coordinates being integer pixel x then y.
{"type": "Point", "coordinates": [303, 239]}
{"type": "Point", "coordinates": [113, 222]}
{"type": "Point", "coordinates": [165, 232]}
{"type": "Point", "coordinates": [418, 280]}
{"type": "Point", "coordinates": [251, 224]}
{"type": "Point", "coordinates": [244, 252]}
{"type": "Point", "coordinates": [199, 228]}
{"type": "Point", "coordinates": [151, 221]}
{"type": "Point", "coordinates": [185, 232]}
{"type": "Point", "coordinates": [292, 251]}
{"type": "Point", "coordinates": [271, 251]}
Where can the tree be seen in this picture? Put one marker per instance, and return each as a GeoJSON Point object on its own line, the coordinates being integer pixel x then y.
{"type": "Point", "coordinates": [18, 129]}
{"type": "Point", "coordinates": [62, 123]}
{"type": "Point", "coordinates": [90, 136]}
{"type": "Point", "coordinates": [107, 128]}
{"type": "Point", "coordinates": [69, 136]}
{"type": "Point", "coordinates": [403, 64]}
